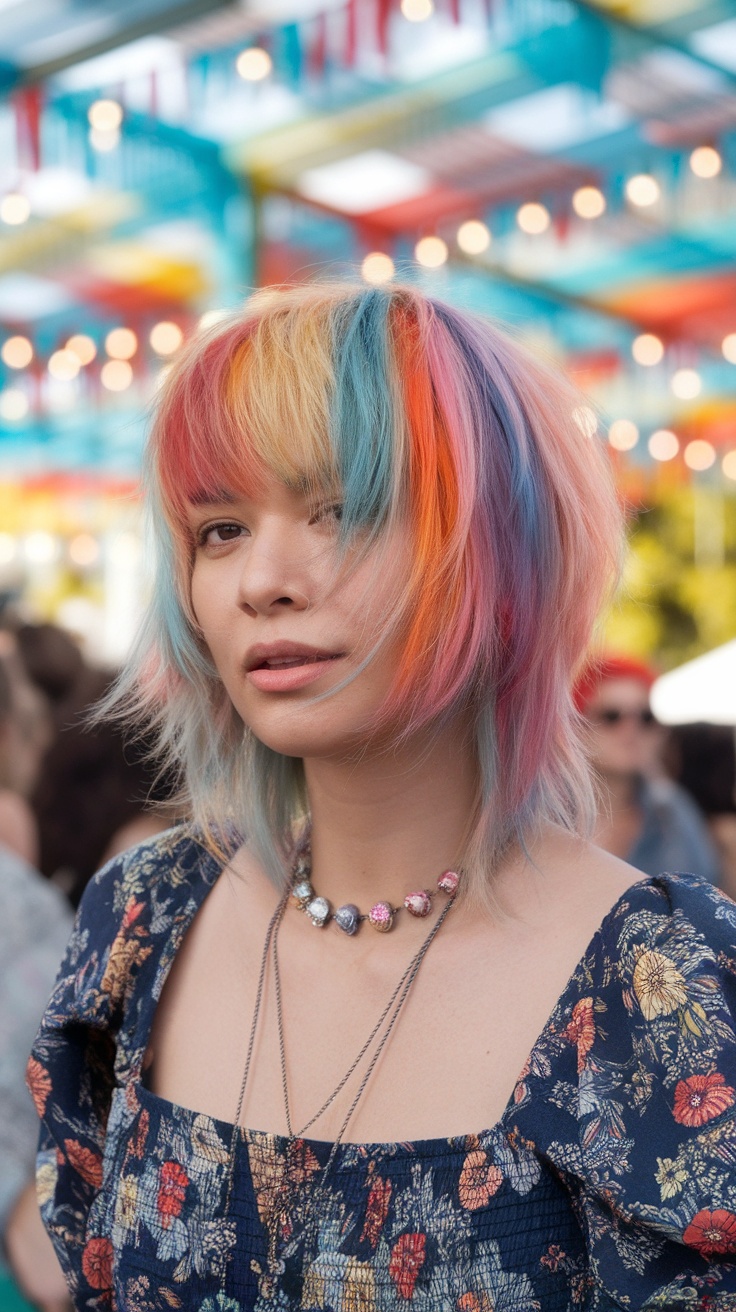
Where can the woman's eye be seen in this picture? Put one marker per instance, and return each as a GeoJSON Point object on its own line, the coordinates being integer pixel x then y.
{"type": "Point", "coordinates": [327, 514]}
{"type": "Point", "coordinates": [217, 535]}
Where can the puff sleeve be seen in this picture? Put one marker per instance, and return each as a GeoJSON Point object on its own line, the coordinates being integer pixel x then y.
{"type": "Point", "coordinates": [657, 1101]}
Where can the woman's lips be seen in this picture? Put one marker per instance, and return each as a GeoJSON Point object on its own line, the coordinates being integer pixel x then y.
{"type": "Point", "coordinates": [288, 673]}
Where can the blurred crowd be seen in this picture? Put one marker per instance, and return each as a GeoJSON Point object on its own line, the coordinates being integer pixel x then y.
{"type": "Point", "coordinates": [74, 792]}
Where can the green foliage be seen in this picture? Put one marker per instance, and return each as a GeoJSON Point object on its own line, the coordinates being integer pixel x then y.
{"type": "Point", "coordinates": [678, 594]}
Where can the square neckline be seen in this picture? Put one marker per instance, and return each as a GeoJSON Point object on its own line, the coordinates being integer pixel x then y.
{"type": "Point", "coordinates": [279, 1141]}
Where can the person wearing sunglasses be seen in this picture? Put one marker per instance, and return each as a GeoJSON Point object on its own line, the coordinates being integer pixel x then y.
{"type": "Point", "coordinates": [643, 817]}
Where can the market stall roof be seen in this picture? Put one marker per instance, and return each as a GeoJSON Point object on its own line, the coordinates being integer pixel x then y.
{"type": "Point", "coordinates": [366, 133]}
{"type": "Point", "coordinates": [702, 689]}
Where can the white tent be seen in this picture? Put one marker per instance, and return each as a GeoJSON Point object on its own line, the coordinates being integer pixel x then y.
{"type": "Point", "coordinates": [703, 689]}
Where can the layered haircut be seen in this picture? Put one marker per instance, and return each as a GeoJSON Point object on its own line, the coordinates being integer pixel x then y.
{"type": "Point", "coordinates": [408, 411]}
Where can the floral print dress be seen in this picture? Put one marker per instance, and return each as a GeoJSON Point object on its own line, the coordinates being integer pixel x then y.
{"type": "Point", "coordinates": [608, 1183]}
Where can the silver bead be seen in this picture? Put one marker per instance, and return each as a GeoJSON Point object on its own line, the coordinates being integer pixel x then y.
{"type": "Point", "coordinates": [302, 892]}
{"type": "Point", "coordinates": [347, 918]}
{"type": "Point", "coordinates": [318, 911]}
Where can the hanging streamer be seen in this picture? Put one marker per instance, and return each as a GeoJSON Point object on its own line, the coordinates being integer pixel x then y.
{"type": "Point", "coordinates": [351, 32]}
{"type": "Point", "coordinates": [383, 19]}
{"type": "Point", "coordinates": [28, 104]}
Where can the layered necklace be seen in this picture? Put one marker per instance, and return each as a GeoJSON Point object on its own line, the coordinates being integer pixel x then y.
{"type": "Point", "coordinates": [347, 918]}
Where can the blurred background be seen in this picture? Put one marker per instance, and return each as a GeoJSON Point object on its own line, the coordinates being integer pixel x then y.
{"type": "Point", "coordinates": [567, 166]}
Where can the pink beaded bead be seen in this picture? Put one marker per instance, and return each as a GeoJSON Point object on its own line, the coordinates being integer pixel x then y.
{"type": "Point", "coordinates": [418, 904]}
{"type": "Point", "coordinates": [448, 882]}
{"type": "Point", "coordinates": [381, 916]}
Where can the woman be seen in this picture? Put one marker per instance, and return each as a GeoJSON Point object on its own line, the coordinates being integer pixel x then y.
{"type": "Point", "coordinates": [383, 538]}
{"type": "Point", "coordinates": [643, 816]}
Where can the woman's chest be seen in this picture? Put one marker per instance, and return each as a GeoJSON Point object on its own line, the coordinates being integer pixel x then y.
{"type": "Point", "coordinates": [198, 1220]}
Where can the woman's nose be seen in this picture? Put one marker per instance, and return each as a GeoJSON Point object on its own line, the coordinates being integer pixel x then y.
{"type": "Point", "coordinates": [272, 577]}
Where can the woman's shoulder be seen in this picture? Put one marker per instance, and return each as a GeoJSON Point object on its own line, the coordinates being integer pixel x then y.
{"type": "Point", "coordinates": [632, 1090]}
{"type": "Point", "coordinates": [131, 919]}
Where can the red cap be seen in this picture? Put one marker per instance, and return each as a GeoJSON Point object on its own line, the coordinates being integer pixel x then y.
{"type": "Point", "coordinates": [601, 668]}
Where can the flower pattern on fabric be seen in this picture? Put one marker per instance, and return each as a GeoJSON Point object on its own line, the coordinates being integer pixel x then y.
{"type": "Point", "coordinates": [609, 1182]}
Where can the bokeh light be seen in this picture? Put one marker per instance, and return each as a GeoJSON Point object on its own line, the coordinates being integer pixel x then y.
{"type": "Point", "coordinates": [116, 375]}
{"type": "Point", "coordinates": [41, 548]}
{"type": "Point", "coordinates": [166, 337]}
{"type": "Point", "coordinates": [14, 208]}
{"type": "Point", "coordinates": [64, 365]}
{"type": "Point", "coordinates": [254, 64]}
{"type": "Point", "coordinates": [102, 140]}
{"type": "Point", "coordinates": [623, 435]}
{"type": "Point", "coordinates": [589, 202]}
{"type": "Point", "coordinates": [706, 162]}
{"type": "Point", "coordinates": [13, 404]}
{"type": "Point", "coordinates": [728, 346]}
{"type": "Point", "coordinates": [377, 268]}
{"type": "Point", "coordinates": [663, 445]}
{"type": "Point", "coordinates": [647, 349]}
{"type": "Point", "coordinates": [728, 464]}
{"type": "Point", "coordinates": [473, 237]}
{"type": "Point", "coordinates": [643, 190]}
{"type": "Point", "coordinates": [417, 11]}
{"type": "Point", "coordinates": [430, 252]}
{"type": "Point", "coordinates": [83, 347]}
{"type": "Point", "coordinates": [533, 218]}
{"type": "Point", "coordinates": [105, 115]}
{"type": "Point", "coordinates": [8, 548]}
{"type": "Point", "coordinates": [699, 455]}
{"type": "Point", "coordinates": [84, 550]}
{"type": "Point", "coordinates": [17, 352]}
{"type": "Point", "coordinates": [121, 344]}
{"type": "Point", "coordinates": [686, 384]}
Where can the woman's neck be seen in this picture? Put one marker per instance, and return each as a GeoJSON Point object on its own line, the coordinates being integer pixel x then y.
{"type": "Point", "coordinates": [394, 820]}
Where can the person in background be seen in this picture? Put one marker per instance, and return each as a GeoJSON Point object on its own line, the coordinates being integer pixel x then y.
{"type": "Point", "coordinates": [25, 733]}
{"type": "Point", "coordinates": [643, 817]}
{"type": "Point", "coordinates": [702, 758]}
{"type": "Point", "coordinates": [97, 793]}
{"type": "Point", "coordinates": [35, 923]}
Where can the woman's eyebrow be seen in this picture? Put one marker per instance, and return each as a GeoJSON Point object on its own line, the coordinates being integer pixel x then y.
{"type": "Point", "coordinates": [218, 497]}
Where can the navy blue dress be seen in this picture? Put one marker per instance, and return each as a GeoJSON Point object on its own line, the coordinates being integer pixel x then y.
{"type": "Point", "coordinates": [608, 1183]}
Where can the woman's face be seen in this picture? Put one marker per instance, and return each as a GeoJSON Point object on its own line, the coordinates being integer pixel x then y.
{"type": "Point", "coordinates": [625, 735]}
{"type": "Point", "coordinates": [284, 623]}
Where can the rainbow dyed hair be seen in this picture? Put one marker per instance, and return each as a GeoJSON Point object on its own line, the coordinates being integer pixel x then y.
{"type": "Point", "coordinates": [415, 412]}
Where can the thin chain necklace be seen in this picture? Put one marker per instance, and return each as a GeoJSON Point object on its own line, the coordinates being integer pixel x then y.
{"type": "Point", "coordinates": [396, 1001]}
